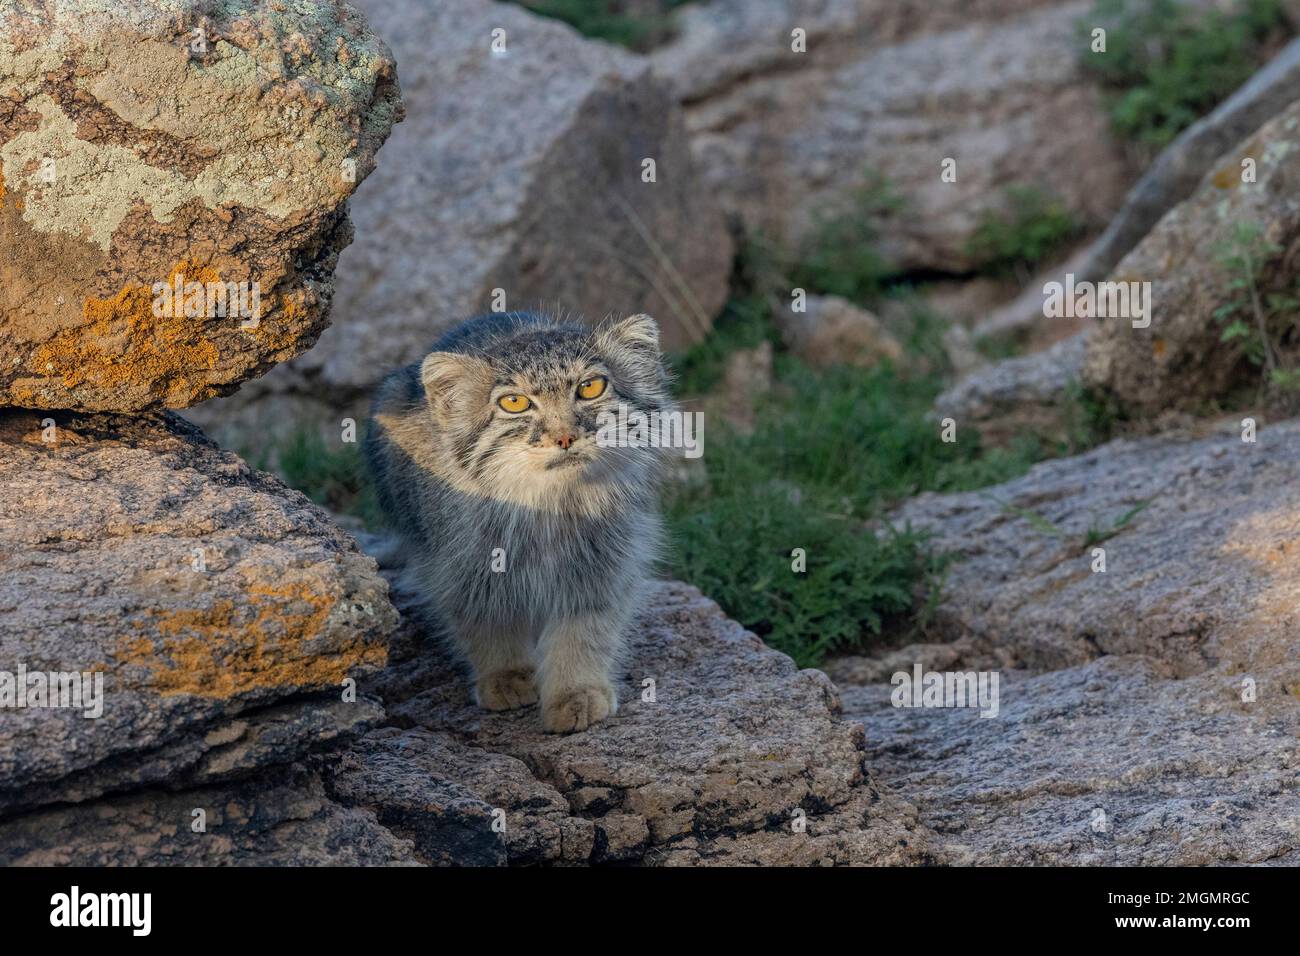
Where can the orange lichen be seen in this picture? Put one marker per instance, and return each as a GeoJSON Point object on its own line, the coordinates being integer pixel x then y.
{"type": "Point", "coordinates": [123, 342]}
{"type": "Point", "coordinates": [1227, 177]}
{"type": "Point", "coordinates": [225, 650]}
{"type": "Point", "coordinates": [294, 316]}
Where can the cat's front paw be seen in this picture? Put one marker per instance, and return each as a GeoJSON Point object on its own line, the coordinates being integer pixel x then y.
{"type": "Point", "coordinates": [507, 689]}
{"type": "Point", "coordinates": [577, 708]}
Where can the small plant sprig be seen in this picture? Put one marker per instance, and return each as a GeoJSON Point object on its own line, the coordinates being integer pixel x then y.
{"type": "Point", "coordinates": [1096, 534]}
{"type": "Point", "coordinates": [1261, 323]}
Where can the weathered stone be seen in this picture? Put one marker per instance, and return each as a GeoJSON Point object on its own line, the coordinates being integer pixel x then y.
{"type": "Point", "coordinates": [784, 137]}
{"type": "Point", "coordinates": [1147, 713]}
{"type": "Point", "coordinates": [1150, 717]}
{"type": "Point", "coordinates": [520, 172]}
{"type": "Point", "coordinates": [1179, 361]}
{"type": "Point", "coordinates": [281, 819]}
{"type": "Point", "coordinates": [1108, 763]}
{"type": "Point", "coordinates": [222, 609]}
{"type": "Point", "coordinates": [1179, 169]}
{"type": "Point", "coordinates": [716, 769]}
{"type": "Point", "coordinates": [833, 331]}
{"type": "Point", "coordinates": [1173, 177]}
{"type": "Point", "coordinates": [739, 759]}
{"type": "Point", "coordinates": [142, 141]}
{"type": "Point", "coordinates": [1205, 558]}
{"type": "Point", "coordinates": [1024, 395]}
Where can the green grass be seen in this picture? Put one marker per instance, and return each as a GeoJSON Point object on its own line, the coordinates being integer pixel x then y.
{"type": "Point", "coordinates": [1167, 64]}
{"type": "Point", "coordinates": [829, 453]}
{"type": "Point", "coordinates": [639, 25]}
{"type": "Point", "coordinates": [331, 474]}
{"type": "Point", "coordinates": [1014, 242]}
{"type": "Point", "coordinates": [840, 254]}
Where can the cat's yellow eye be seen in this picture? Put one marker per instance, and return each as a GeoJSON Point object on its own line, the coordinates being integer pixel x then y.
{"type": "Point", "coordinates": [593, 387]}
{"type": "Point", "coordinates": [514, 403]}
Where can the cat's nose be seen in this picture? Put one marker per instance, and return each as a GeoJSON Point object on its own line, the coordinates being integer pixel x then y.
{"type": "Point", "coordinates": [564, 440]}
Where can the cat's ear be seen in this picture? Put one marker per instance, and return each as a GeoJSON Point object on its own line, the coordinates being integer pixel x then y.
{"type": "Point", "coordinates": [454, 382]}
{"type": "Point", "coordinates": [638, 334]}
{"type": "Point", "coordinates": [631, 347]}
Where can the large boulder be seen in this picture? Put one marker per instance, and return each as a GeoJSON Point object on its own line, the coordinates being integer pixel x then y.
{"type": "Point", "coordinates": [1147, 712]}
{"type": "Point", "coordinates": [221, 611]}
{"type": "Point", "coordinates": [723, 752]}
{"type": "Point", "coordinates": [1025, 395]}
{"type": "Point", "coordinates": [1180, 168]}
{"type": "Point", "coordinates": [785, 138]}
{"type": "Point", "coordinates": [145, 142]}
{"type": "Point", "coordinates": [519, 171]}
{"type": "Point", "coordinates": [1180, 361]}
{"type": "Point", "coordinates": [1174, 176]}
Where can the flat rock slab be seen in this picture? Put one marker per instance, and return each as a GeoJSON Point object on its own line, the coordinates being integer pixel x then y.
{"type": "Point", "coordinates": [1108, 763]}
{"type": "Point", "coordinates": [221, 610]}
{"type": "Point", "coordinates": [737, 751]}
{"type": "Point", "coordinates": [182, 142]}
{"type": "Point", "coordinates": [1148, 713]}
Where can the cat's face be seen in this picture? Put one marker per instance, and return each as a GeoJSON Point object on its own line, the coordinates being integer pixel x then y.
{"type": "Point", "coordinates": [525, 419]}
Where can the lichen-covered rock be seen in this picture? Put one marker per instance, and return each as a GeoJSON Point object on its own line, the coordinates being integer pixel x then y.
{"type": "Point", "coordinates": [520, 171]}
{"type": "Point", "coordinates": [1180, 361]}
{"type": "Point", "coordinates": [785, 137]}
{"type": "Point", "coordinates": [221, 610]}
{"type": "Point", "coordinates": [1147, 712]}
{"type": "Point", "coordinates": [722, 752]}
{"type": "Point", "coordinates": [189, 143]}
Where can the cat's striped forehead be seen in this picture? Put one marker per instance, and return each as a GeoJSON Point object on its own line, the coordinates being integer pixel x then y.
{"type": "Point", "coordinates": [543, 357]}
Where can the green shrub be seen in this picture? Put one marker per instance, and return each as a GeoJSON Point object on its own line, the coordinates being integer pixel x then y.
{"type": "Point", "coordinates": [332, 476]}
{"type": "Point", "coordinates": [1167, 64]}
{"type": "Point", "coordinates": [839, 255]}
{"type": "Point", "coordinates": [639, 25]}
{"type": "Point", "coordinates": [1014, 243]}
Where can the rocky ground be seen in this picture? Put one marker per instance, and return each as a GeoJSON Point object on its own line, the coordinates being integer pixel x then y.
{"type": "Point", "coordinates": [269, 699]}
{"type": "Point", "coordinates": [1160, 693]}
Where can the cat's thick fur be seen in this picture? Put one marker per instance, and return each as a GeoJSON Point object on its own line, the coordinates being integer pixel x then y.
{"type": "Point", "coordinates": [530, 540]}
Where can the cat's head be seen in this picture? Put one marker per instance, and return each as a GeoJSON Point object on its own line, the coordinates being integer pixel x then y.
{"type": "Point", "coordinates": [522, 415]}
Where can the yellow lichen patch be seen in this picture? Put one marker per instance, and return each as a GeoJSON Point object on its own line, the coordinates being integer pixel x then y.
{"type": "Point", "coordinates": [1227, 177]}
{"type": "Point", "coordinates": [283, 333]}
{"type": "Point", "coordinates": [123, 342]}
{"type": "Point", "coordinates": [224, 651]}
